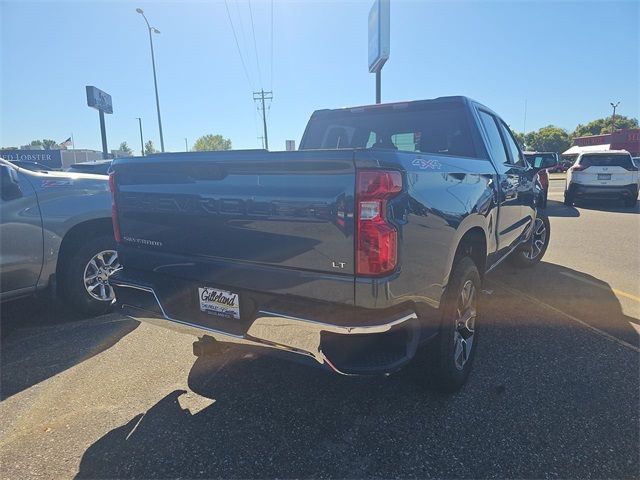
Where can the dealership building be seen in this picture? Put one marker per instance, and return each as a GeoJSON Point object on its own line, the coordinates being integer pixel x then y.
{"type": "Point", "coordinates": [627, 139]}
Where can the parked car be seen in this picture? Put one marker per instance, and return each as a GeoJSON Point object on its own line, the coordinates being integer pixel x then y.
{"type": "Point", "coordinates": [56, 234]}
{"type": "Point", "coordinates": [99, 167]}
{"type": "Point", "coordinates": [608, 174]}
{"type": "Point", "coordinates": [534, 159]}
{"type": "Point", "coordinates": [562, 166]}
{"type": "Point", "coordinates": [351, 253]}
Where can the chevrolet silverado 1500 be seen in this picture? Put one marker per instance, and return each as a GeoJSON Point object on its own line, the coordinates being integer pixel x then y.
{"type": "Point", "coordinates": [353, 253]}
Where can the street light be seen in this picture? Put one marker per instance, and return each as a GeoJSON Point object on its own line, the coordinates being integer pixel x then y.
{"type": "Point", "coordinates": [613, 118]}
{"type": "Point", "coordinates": [155, 80]}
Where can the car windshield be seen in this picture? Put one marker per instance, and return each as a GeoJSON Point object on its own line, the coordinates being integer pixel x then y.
{"type": "Point", "coordinates": [606, 160]}
{"type": "Point", "coordinates": [439, 128]}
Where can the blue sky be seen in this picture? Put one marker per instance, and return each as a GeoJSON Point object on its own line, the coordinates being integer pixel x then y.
{"type": "Point", "coordinates": [567, 60]}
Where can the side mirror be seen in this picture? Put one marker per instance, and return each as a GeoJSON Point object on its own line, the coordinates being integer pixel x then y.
{"type": "Point", "coordinates": [9, 186]}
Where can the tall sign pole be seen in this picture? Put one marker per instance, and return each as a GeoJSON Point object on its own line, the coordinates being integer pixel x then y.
{"type": "Point", "coordinates": [101, 101]}
{"type": "Point", "coordinates": [141, 138]}
{"type": "Point", "coordinates": [103, 134]}
{"type": "Point", "coordinates": [379, 33]}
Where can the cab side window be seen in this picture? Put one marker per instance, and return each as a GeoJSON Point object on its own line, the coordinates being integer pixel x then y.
{"type": "Point", "coordinates": [517, 157]}
{"type": "Point", "coordinates": [496, 147]}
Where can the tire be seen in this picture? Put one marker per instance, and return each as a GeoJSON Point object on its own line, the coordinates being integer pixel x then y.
{"type": "Point", "coordinates": [568, 199]}
{"type": "Point", "coordinates": [532, 252]}
{"type": "Point", "coordinates": [450, 356]}
{"type": "Point", "coordinates": [78, 265]}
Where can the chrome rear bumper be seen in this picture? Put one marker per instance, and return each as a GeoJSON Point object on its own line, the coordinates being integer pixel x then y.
{"type": "Point", "coordinates": [286, 333]}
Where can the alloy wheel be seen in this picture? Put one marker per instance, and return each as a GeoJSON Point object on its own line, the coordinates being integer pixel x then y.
{"type": "Point", "coordinates": [466, 312]}
{"type": "Point", "coordinates": [97, 273]}
{"type": "Point", "coordinates": [538, 240]}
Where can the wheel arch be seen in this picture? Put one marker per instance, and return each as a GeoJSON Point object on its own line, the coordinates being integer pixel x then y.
{"type": "Point", "coordinates": [81, 232]}
{"type": "Point", "coordinates": [472, 243]}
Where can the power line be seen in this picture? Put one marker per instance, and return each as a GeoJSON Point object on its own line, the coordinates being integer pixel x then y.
{"type": "Point", "coordinates": [255, 46]}
{"type": "Point", "coordinates": [244, 67]}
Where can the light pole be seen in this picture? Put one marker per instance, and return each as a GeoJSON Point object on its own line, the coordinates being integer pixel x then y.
{"type": "Point", "coordinates": [613, 118]}
{"type": "Point", "coordinates": [155, 80]}
{"type": "Point", "coordinates": [141, 139]}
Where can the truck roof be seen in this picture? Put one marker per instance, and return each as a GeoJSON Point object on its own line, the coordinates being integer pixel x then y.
{"type": "Point", "coordinates": [396, 105]}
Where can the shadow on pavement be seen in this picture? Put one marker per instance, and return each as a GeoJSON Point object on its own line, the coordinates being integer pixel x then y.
{"type": "Point", "coordinates": [546, 398]}
{"type": "Point", "coordinates": [559, 209]}
{"type": "Point", "coordinates": [575, 293]}
{"type": "Point", "coordinates": [41, 339]}
{"type": "Point", "coordinates": [608, 206]}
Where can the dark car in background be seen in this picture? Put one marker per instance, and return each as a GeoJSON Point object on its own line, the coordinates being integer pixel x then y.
{"type": "Point", "coordinates": [536, 158]}
{"type": "Point", "coordinates": [99, 167]}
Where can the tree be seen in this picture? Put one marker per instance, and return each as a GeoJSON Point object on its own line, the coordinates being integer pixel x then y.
{"type": "Point", "coordinates": [520, 138]}
{"type": "Point", "coordinates": [125, 148]}
{"type": "Point", "coordinates": [548, 139]}
{"type": "Point", "coordinates": [47, 144]}
{"type": "Point", "coordinates": [149, 148]}
{"type": "Point", "coordinates": [603, 125]}
{"type": "Point", "coordinates": [212, 142]}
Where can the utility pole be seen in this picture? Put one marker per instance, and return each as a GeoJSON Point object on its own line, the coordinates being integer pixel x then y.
{"type": "Point", "coordinates": [186, 145]}
{"type": "Point", "coordinates": [141, 139]}
{"type": "Point", "coordinates": [262, 96]}
{"type": "Point", "coordinates": [613, 118]}
{"type": "Point", "coordinates": [261, 140]}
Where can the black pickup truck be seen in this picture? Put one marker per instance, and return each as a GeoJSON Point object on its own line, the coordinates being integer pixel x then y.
{"type": "Point", "coordinates": [353, 253]}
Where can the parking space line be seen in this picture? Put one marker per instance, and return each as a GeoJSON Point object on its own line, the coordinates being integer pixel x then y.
{"type": "Point", "coordinates": [595, 330]}
{"type": "Point", "coordinates": [598, 285]}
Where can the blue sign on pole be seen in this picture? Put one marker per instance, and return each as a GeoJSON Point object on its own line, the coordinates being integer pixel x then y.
{"type": "Point", "coordinates": [48, 158]}
{"type": "Point", "coordinates": [379, 33]}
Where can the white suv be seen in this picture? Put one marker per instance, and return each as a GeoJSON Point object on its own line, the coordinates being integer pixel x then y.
{"type": "Point", "coordinates": [608, 174]}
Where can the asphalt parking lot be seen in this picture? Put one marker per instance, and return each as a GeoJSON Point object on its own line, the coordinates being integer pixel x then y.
{"type": "Point", "coordinates": [554, 392]}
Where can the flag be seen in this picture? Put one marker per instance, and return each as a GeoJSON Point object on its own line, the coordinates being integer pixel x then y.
{"type": "Point", "coordinates": [65, 144]}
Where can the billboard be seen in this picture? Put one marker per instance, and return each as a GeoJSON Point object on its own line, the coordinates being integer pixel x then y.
{"type": "Point", "coordinates": [99, 100]}
{"type": "Point", "coordinates": [379, 33]}
{"type": "Point", "coordinates": [49, 158]}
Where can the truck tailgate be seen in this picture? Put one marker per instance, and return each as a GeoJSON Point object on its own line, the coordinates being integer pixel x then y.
{"type": "Point", "coordinates": [219, 216]}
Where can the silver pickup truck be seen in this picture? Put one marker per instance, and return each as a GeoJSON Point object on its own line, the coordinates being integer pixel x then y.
{"type": "Point", "coordinates": [56, 234]}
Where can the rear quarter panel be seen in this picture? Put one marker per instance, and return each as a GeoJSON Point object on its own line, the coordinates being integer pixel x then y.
{"type": "Point", "coordinates": [65, 203]}
{"type": "Point", "coordinates": [444, 198]}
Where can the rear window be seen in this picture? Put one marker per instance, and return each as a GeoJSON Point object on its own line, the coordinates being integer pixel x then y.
{"type": "Point", "coordinates": [438, 128]}
{"type": "Point", "coordinates": [605, 160]}
{"type": "Point", "coordinates": [531, 157]}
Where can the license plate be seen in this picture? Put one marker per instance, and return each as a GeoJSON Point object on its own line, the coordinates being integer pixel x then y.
{"type": "Point", "coordinates": [219, 302]}
{"type": "Point", "coordinates": [604, 176]}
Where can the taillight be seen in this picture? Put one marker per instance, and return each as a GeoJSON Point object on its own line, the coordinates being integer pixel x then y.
{"type": "Point", "coordinates": [376, 239]}
{"type": "Point", "coordinates": [578, 168]}
{"type": "Point", "coordinates": [114, 211]}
